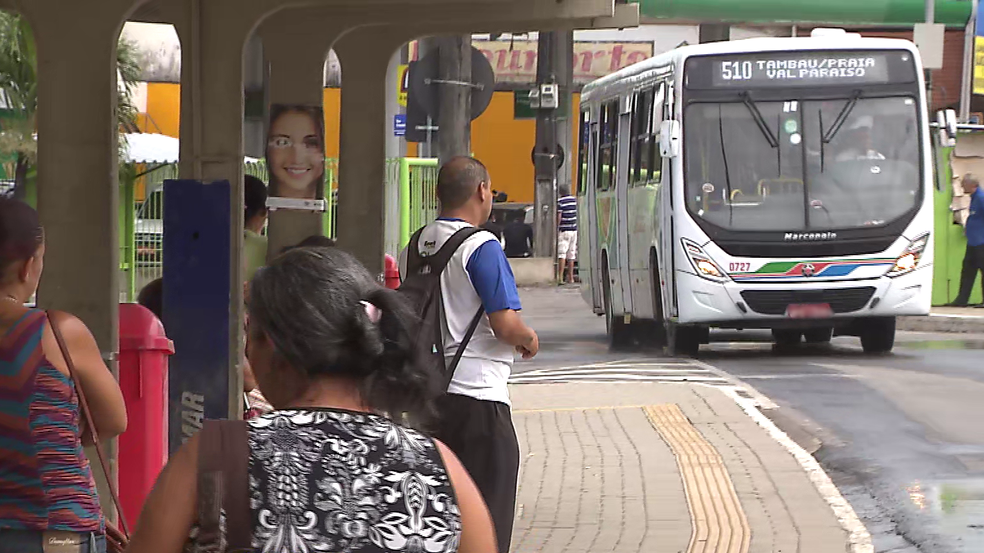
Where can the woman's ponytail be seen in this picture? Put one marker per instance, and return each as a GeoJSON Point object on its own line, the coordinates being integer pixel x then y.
{"type": "Point", "coordinates": [397, 383]}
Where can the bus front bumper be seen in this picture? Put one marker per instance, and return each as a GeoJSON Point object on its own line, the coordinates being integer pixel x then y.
{"type": "Point", "coordinates": [765, 305]}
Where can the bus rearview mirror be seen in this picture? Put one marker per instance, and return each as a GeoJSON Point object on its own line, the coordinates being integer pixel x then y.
{"type": "Point", "coordinates": [946, 122]}
{"type": "Point", "coordinates": [669, 138]}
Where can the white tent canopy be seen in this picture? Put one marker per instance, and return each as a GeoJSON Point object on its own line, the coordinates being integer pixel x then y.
{"type": "Point", "coordinates": [156, 149]}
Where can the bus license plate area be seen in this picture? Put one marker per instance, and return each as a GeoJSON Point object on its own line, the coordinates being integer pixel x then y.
{"type": "Point", "coordinates": [809, 311]}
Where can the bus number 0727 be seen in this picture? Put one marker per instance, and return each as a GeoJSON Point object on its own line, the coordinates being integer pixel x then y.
{"type": "Point", "coordinates": [736, 71]}
{"type": "Point", "coordinates": [739, 267]}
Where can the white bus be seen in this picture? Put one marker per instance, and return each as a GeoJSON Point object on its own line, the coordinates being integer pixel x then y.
{"type": "Point", "coordinates": [774, 183]}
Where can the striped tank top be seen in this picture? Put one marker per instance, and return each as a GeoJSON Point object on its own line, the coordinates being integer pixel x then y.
{"type": "Point", "coordinates": [45, 480]}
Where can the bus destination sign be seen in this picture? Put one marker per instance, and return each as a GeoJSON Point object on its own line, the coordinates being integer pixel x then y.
{"type": "Point", "coordinates": [783, 69]}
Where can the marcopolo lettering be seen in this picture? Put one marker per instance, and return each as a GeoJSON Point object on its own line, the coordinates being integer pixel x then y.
{"type": "Point", "coordinates": [808, 236]}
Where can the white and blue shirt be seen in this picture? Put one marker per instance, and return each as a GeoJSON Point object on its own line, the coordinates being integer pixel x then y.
{"type": "Point", "coordinates": [567, 207]}
{"type": "Point", "coordinates": [477, 275]}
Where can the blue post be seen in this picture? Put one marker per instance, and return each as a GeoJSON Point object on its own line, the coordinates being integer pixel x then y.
{"type": "Point", "coordinates": [196, 303]}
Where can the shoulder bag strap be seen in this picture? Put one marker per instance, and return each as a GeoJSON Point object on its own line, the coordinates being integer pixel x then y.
{"type": "Point", "coordinates": [84, 406]}
{"type": "Point", "coordinates": [223, 480]}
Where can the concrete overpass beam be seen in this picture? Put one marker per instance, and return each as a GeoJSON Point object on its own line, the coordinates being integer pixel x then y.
{"type": "Point", "coordinates": [78, 187]}
{"type": "Point", "coordinates": [213, 35]}
{"type": "Point", "coordinates": [364, 54]}
{"type": "Point", "coordinates": [295, 76]}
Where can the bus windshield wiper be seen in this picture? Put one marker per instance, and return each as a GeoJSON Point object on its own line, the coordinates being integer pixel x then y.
{"type": "Point", "coordinates": [842, 116]}
{"type": "Point", "coordinates": [759, 120]}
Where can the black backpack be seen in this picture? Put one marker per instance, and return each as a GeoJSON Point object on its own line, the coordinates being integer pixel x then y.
{"type": "Point", "coordinates": [422, 288]}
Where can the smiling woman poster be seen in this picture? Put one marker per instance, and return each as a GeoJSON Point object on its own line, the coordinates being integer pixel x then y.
{"type": "Point", "coordinates": [295, 152]}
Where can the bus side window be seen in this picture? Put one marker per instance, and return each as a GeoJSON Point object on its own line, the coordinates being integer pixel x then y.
{"type": "Point", "coordinates": [613, 132]}
{"type": "Point", "coordinates": [641, 119]}
{"type": "Point", "coordinates": [633, 131]}
{"type": "Point", "coordinates": [656, 118]}
{"type": "Point", "coordinates": [608, 145]}
{"type": "Point", "coordinates": [601, 139]}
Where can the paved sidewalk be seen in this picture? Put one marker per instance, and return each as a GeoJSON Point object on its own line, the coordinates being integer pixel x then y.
{"type": "Point", "coordinates": [946, 319]}
{"type": "Point", "coordinates": [654, 467]}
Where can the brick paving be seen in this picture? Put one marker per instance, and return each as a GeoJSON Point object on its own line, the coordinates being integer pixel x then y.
{"type": "Point", "coordinates": [596, 476]}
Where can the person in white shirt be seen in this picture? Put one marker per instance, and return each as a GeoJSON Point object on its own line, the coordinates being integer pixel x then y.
{"type": "Point", "coordinates": [474, 417]}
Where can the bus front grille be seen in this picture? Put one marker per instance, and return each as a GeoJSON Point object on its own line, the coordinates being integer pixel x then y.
{"type": "Point", "coordinates": [775, 302]}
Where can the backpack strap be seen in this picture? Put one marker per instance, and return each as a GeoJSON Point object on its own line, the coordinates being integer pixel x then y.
{"type": "Point", "coordinates": [440, 260]}
{"type": "Point", "coordinates": [414, 259]}
{"type": "Point", "coordinates": [223, 484]}
{"type": "Point", "coordinates": [472, 327]}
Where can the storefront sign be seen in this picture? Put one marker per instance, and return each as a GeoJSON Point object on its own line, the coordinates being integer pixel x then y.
{"type": "Point", "coordinates": [515, 61]}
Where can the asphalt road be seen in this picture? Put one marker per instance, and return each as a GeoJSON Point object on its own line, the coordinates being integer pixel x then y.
{"type": "Point", "coordinates": [901, 435]}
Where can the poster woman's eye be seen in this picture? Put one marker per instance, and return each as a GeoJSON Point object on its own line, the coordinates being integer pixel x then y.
{"type": "Point", "coordinates": [312, 142]}
{"type": "Point", "coordinates": [281, 142]}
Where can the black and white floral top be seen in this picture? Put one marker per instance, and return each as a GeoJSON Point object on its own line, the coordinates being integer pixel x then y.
{"type": "Point", "coordinates": [338, 481]}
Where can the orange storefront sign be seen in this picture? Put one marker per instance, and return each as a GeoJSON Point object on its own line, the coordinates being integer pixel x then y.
{"type": "Point", "coordinates": [515, 61]}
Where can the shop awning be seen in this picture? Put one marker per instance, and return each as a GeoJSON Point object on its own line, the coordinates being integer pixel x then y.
{"type": "Point", "coordinates": [954, 13]}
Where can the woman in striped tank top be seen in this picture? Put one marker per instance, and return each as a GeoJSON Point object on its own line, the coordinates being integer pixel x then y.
{"type": "Point", "coordinates": [48, 498]}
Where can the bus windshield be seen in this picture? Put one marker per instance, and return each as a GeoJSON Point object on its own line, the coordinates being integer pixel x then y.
{"type": "Point", "coordinates": [802, 165]}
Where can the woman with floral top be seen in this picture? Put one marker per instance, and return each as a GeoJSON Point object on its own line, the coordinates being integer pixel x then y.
{"type": "Point", "coordinates": [329, 469]}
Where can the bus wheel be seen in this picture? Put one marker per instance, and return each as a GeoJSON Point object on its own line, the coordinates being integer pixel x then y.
{"type": "Point", "coordinates": [619, 333]}
{"type": "Point", "coordinates": [818, 335]}
{"type": "Point", "coordinates": [786, 337]}
{"type": "Point", "coordinates": [878, 335]}
{"type": "Point", "coordinates": [683, 341]}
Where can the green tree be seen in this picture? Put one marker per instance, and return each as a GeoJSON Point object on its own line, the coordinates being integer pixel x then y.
{"type": "Point", "coordinates": [19, 95]}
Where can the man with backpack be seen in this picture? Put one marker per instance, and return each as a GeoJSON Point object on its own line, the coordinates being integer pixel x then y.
{"type": "Point", "coordinates": [460, 281]}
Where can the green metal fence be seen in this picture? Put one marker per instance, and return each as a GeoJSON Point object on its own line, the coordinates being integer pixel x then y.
{"type": "Point", "coordinates": [418, 195]}
{"type": "Point", "coordinates": [142, 224]}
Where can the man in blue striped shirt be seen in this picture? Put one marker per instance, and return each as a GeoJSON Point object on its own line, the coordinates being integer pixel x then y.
{"type": "Point", "coordinates": [567, 234]}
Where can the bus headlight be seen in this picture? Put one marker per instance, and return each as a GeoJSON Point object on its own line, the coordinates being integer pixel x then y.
{"type": "Point", "coordinates": [909, 259]}
{"type": "Point", "coordinates": [702, 263]}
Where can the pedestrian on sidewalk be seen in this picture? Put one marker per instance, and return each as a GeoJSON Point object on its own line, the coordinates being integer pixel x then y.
{"type": "Point", "coordinates": [46, 486]}
{"type": "Point", "coordinates": [973, 262]}
{"type": "Point", "coordinates": [473, 417]}
{"type": "Point", "coordinates": [566, 234]}
{"type": "Point", "coordinates": [255, 217]}
{"type": "Point", "coordinates": [329, 470]}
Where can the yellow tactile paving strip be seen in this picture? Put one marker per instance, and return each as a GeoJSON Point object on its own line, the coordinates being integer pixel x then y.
{"type": "Point", "coordinates": [719, 523]}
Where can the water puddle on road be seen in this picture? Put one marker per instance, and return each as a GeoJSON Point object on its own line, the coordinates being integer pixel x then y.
{"type": "Point", "coordinates": [956, 507]}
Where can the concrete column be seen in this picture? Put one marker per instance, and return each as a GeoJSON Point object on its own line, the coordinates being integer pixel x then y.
{"type": "Point", "coordinates": [296, 76]}
{"type": "Point", "coordinates": [395, 149]}
{"type": "Point", "coordinates": [567, 121]}
{"type": "Point", "coordinates": [78, 187]}
{"type": "Point", "coordinates": [365, 55]}
{"type": "Point", "coordinates": [213, 35]}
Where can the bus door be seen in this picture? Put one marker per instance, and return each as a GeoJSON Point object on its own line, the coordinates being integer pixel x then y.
{"type": "Point", "coordinates": [622, 291]}
{"type": "Point", "coordinates": [666, 238]}
{"type": "Point", "coordinates": [589, 260]}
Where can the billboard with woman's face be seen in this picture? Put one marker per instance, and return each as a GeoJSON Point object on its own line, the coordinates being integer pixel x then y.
{"type": "Point", "coordinates": [295, 151]}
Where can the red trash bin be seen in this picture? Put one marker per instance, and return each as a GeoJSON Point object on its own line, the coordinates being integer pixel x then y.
{"type": "Point", "coordinates": [392, 272]}
{"type": "Point", "coordinates": [144, 349]}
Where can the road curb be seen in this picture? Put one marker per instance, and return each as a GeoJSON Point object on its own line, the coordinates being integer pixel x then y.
{"type": "Point", "coordinates": [942, 323]}
{"type": "Point", "coordinates": [858, 535]}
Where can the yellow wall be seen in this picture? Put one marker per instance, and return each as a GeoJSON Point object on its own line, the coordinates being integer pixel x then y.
{"type": "Point", "coordinates": [164, 109]}
{"type": "Point", "coordinates": [504, 144]}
